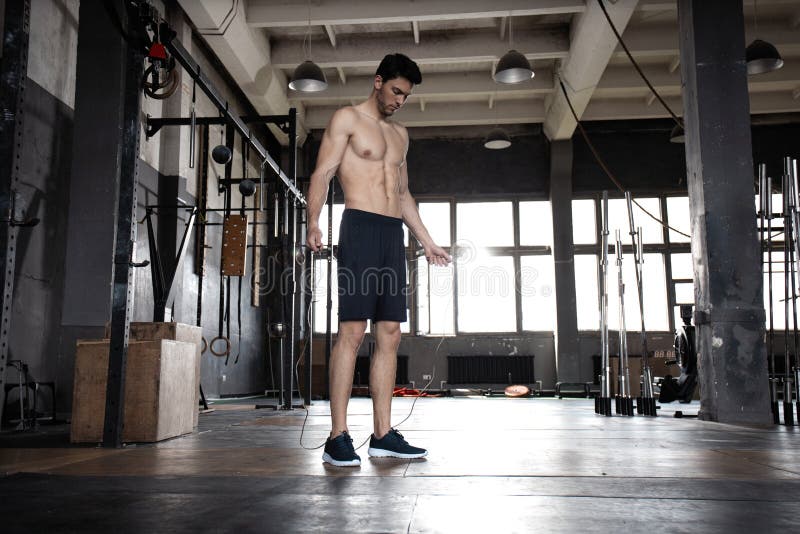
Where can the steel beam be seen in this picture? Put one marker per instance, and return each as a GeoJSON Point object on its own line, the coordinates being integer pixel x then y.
{"type": "Point", "coordinates": [13, 76]}
{"type": "Point", "coordinates": [125, 238]}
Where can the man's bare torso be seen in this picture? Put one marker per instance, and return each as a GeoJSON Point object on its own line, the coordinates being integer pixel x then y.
{"type": "Point", "coordinates": [370, 170]}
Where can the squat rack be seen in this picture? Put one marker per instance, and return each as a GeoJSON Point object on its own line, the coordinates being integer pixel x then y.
{"type": "Point", "coordinates": [141, 17]}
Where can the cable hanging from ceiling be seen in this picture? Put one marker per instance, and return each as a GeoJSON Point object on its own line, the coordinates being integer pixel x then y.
{"type": "Point", "coordinates": [604, 166]}
{"type": "Point", "coordinates": [677, 120]}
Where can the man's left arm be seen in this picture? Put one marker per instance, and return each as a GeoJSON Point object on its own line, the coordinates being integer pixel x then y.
{"type": "Point", "coordinates": [434, 253]}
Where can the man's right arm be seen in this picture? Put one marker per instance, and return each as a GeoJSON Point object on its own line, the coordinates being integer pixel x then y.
{"type": "Point", "coordinates": [331, 151]}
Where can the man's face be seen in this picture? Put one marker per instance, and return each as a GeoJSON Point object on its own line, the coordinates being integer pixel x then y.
{"type": "Point", "coordinates": [392, 94]}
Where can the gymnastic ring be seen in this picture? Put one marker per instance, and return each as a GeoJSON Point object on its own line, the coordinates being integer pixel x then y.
{"type": "Point", "coordinates": [227, 346]}
{"type": "Point", "coordinates": [205, 345]}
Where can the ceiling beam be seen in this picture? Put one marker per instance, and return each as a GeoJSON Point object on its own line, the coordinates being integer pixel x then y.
{"type": "Point", "coordinates": [450, 114]}
{"type": "Point", "coordinates": [357, 51]}
{"type": "Point", "coordinates": [271, 14]}
{"type": "Point", "coordinates": [331, 34]}
{"type": "Point", "coordinates": [437, 84]}
{"type": "Point", "coordinates": [533, 111]}
{"type": "Point", "coordinates": [415, 29]}
{"type": "Point", "coordinates": [502, 25]}
{"type": "Point", "coordinates": [621, 109]}
{"type": "Point", "coordinates": [619, 79]}
{"type": "Point", "coordinates": [593, 43]}
{"type": "Point", "coordinates": [672, 5]}
{"type": "Point", "coordinates": [662, 40]}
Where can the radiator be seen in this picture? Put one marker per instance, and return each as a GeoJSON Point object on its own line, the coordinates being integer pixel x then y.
{"type": "Point", "coordinates": [484, 369]}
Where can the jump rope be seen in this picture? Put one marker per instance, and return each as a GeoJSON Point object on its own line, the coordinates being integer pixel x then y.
{"type": "Point", "coordinates": [420, 394]}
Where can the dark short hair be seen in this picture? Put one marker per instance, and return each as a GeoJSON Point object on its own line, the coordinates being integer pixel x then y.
{"type": "Point", "coordinates": [398, 65]}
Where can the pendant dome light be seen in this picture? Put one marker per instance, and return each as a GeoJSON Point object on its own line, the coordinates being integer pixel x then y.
{"type": "Point", "coordinates": [497, 140]}
{"type": "Point", "coordinates": [513, 67]}
{"type": "Point", "coordinates": [761, 56]}
{"type": "Point", "coordinates": [677, 135]}
{"type": "Point", "coordinates": [308, 77]}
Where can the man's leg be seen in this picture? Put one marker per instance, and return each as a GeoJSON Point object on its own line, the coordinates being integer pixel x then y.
{"type": "Point", "coordinates": [382, 374]}
{"type": "Point", "coordinates": [342, 365]}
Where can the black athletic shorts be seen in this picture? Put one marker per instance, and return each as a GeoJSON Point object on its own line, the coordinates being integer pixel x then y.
{"type": "Point", "coordinates": [372, 267]}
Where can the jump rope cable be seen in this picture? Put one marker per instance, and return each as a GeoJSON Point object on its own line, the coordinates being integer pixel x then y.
{"type": "Point", "coordinates": [302, 351]}
{"type": "Point", "coordinates": [589, 143]}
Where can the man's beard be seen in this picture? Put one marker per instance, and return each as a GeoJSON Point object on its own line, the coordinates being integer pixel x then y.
{"type": "Point", "coordinates": [385, 110]}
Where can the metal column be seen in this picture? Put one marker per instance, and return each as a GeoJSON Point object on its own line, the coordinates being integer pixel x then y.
{"type": "Point", "coordinates": [12, 97]}
{"type": "Point", "coordinates": [125, 239]}
{"type": "Point", "coordinates": [290, 233]}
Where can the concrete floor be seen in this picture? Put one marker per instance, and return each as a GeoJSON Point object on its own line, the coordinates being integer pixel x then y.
{"type": "Point", "coordinates": [495, 464]}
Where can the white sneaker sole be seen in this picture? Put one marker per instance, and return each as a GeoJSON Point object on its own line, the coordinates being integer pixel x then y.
{"type": "Point", "coordinates": [383, 453]}
{"type": "Point", "coordinates": [340, 463]}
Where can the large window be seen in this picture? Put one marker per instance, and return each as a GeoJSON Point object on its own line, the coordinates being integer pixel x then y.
{"type": "Point", "coordinates": [653, 288]}
{"type": "Point", "coordinates": [652, 231]}
{"type": "Point", "coordinates": [535, 223]}
{"type": "Point", "coordinates": [586, 280]}
{"type": "Point", "coordinates": [436, 217]}
{"type": "Point", "coordinates": [537, 289]}
{"type": "Point", "coordinates": [503, 276]}
{"type": "Point", "coordinates": [485, 224]}
{"type": "Point", "coordinates": [584, 222]}
{"type": "Point", "coordinates": [657, 289]}
{"type": "Point", "coordinates": [678, 212]}
{"type": "Point", "coordinates": [502, 279]}
{"type": "Point", "coordinates": [486, 294]}
{"type": "Point", "coordinates": [435, 313]}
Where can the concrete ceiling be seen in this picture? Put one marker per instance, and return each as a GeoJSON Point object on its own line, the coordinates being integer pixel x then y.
{"type": "Point", "coordinates": [457, 44]}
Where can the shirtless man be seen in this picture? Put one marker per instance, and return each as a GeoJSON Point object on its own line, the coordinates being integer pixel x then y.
{"type": "Point", "coordinates": [367, 151]}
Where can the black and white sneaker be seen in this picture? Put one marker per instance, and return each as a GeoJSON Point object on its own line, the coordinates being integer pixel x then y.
{"type": "Point", "coordinates": [339, 451]}
{"type": "Point", "coordinates": [395, 446]}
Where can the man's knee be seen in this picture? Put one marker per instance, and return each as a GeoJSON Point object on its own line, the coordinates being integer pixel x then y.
{"type": "Point", "coordinates": [351, 334]}
{"type": "Point", "coordinates": [388, 335]}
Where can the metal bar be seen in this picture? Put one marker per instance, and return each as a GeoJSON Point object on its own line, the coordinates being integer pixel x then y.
{"type": "Point", "coordinates": [156, 270]}
{"type": "Point", "coordinates": [329, 302]}
{"type": "Point", "coordinates": [788, 412]}
{"type": "Point", "coordinates": [311, 276]}
{"type": "Point", "coordinates": [154, 124]}
{"type": "Point", "coordinates": [13, 70]}
{"type": "Point", "coordinates": [773, 382]}
{"type": "Point", "coordinates": [192, 127]}
{"type": "Point", "coordinates": [647, 402]}
{"type": "Point", "coordinates": [125, 239]}
{"type": "Point", "coordinates": [184, 246]}
{"type": "Point", "coordinates": [292, 257]}
{"type": "Point", "coordinates": [190, 65]}
{"type": "Point", "coordinates": [603, 405]}
{"type": "Point", "coordinates": [624, 405]}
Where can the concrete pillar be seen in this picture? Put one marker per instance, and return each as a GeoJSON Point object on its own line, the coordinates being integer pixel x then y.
{"type": "Point", "coordinates": [566, 334]}
{"type": "Point", "coordinates": [727, 265]}
{"type": "Point", "coordinates": [95, 166]}
{"type": "Point", "coordinates": [93, 184]}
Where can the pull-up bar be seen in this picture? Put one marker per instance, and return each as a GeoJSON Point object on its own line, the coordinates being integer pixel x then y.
{"type": "Point", "coordinates": [193, 69]}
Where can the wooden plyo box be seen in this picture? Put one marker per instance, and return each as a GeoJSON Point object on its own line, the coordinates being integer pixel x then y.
{"type": "Point", "coordinates": [160, 396]}
{"type": "Point", "coordinates": [149, 331]}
